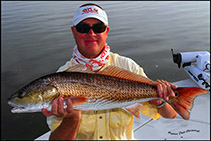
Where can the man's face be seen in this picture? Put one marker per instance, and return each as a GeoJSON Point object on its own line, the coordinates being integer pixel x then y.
{"type": "Point", "coordinates": [90, 44]}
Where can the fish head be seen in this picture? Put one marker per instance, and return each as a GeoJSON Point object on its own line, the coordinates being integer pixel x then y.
{"type": "Point", "coordinates": [32, 98]}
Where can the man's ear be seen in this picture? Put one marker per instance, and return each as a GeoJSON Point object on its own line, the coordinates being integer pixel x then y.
{"type": "Point", "coordinates": [73, 31]}
{"type": "Point", "coordinates": [107, 30]}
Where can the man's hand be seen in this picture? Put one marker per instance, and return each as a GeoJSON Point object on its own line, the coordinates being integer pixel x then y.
{"type": "Point", "coordinates": [59, 110]}
{"type": "Point", "coordinates": [67, 130]}
{"type": "Point", "coordinates": [165, 89]}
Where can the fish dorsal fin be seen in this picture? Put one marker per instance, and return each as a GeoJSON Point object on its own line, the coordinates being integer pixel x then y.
{"type": "Point", "coordinates": [124, 74]}
{"type": "Point", "coordinates": [79, 68]}
{"type": "Point", "coordinates": [113, 72]}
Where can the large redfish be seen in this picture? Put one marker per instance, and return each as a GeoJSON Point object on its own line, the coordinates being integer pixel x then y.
{"type": "Point", "coordinates": [109, 88]}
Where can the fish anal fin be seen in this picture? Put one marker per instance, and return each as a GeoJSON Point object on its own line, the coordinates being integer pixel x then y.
{"type": "Point", "coordinates": [134, 109]}
{"type": "Point", "coordinates": [124, 74]}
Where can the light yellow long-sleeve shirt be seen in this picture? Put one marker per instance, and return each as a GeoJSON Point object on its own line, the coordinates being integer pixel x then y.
{"type": "Point", "coordinates": [112, 124]}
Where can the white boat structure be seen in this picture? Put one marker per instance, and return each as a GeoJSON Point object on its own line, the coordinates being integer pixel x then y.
{"type": "Point", "coordinates": [197, 66]}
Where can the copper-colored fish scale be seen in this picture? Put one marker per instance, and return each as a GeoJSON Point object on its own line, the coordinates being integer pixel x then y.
{"type": "Point", "coordinates": [97, 86]}
{"type": "Point", "coordinates": [110, 88]}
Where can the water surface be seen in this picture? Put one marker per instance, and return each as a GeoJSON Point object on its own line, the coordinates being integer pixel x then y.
{"type": "Point", "coordinates": [37, 39]}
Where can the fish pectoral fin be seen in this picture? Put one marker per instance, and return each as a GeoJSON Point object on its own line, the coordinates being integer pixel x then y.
{"type": "Point", "coordinates": [134, 109]}
{"type": "Point", "coordinates": [76, 100]}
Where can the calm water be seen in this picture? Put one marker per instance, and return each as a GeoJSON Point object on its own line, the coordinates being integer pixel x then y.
{"type": "Point", "coordinates": [37, 39]}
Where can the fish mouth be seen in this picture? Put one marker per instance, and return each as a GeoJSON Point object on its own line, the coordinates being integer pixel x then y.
{"type": "Point", "coordinates": [27, 108]}
{"type": "Point", "coordinates": [20, 109]}
{"type": "Point", "coordinates": [16, 107]}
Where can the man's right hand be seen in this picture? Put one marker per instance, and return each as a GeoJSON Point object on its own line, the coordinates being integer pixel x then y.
{"type": "Point", "coordinates": [59, 110]}
{"type": "Point", "coordinates": [67, 130]}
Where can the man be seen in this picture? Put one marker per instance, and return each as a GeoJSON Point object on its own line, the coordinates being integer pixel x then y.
{"type": "Point", "coordinates": [90, 30]}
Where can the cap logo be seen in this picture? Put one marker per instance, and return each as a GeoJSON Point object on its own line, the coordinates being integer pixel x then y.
{"type": "Point", "coordinates": [89, 10]}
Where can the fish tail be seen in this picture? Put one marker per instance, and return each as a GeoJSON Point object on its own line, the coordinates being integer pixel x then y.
{"type": "Point", "coordinates": [183, 100]}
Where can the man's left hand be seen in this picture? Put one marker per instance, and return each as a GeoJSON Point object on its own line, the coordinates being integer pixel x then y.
{"type": "Point", "coordinates": [165, 89]}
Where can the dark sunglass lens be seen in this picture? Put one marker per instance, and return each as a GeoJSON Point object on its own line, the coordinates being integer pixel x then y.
{"type": "Point", "coordinates": [99, 28]}
{"type": "Point", "coordinates": [82, 28]}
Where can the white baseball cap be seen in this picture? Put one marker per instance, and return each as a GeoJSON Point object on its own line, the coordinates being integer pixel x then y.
{"type": "Point", "coordinates": [90, 11]}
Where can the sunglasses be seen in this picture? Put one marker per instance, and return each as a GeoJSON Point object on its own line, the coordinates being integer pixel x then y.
{"type": "Point", "coordinates": [84, 28]}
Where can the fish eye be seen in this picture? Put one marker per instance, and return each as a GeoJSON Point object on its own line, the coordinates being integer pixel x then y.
{"type": "Point", "coordinates": [21, 94]}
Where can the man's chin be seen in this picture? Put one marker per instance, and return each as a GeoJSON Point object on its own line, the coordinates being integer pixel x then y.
{"type": "Point", "coordinates": [91, 43]}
